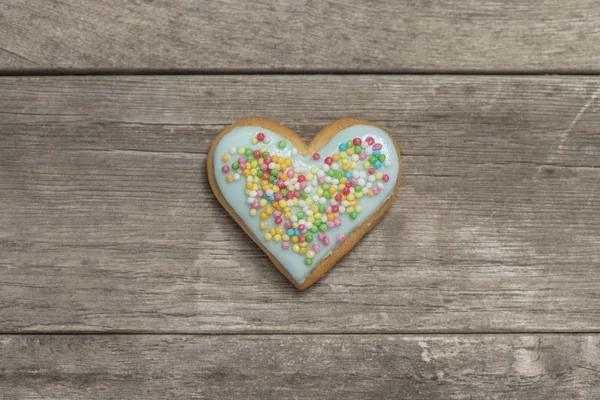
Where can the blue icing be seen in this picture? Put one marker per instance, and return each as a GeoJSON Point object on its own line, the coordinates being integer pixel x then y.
{"type": "Point", "coordinates": [235, 194]}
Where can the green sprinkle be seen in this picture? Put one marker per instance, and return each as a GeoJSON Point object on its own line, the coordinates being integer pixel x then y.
{"type": "Point", "coordinates": [338, 174]}
{"type": "Point", "coordinates": [309, 238]}
{"type": "Point", "coordinates": [314, 229]}
{"type": "Point", "coordinates": [382, 157]}
{"type": "Point", "coordinates": [327, 195]}
{"type": "Point", "coordinates": [372, 159]}
{"type": "Point", "coordinates": [274, 172]}
{"type": "Point", "coordinates": [349, 144]}
{"type": "Point", "coordinates": [321, 208]}
{"type": "Point", "coordinates": [271, 179]}
{"type": "Point", "coordinates": [353, 215]}
{"type": "Point", "coordinates": [248, 152]}
{"type": "Point", "coordinates": [323, 227]}
{"type": "Point", "coordinates": [357, 188]}
{"type": "Point", "coordinates": [265, 154]}
{"type": "Point", "coordinates": [281, 144]}
{"type": "Point", "coordinates": [308, 261]}
{"type": "Point", "coordinates": [284, 192]}
{"type": "Point", "coordinates": [304, 195]}
{"type": "Point", "coordinates": [300, 215]}
{"type": "Point", "coordinates": [330, 172]}
{"type": "Point", "coordinates": [325, 186]}
{"type": "Point", "coordinates": [357, 149]}
{"type": "Point", "coordinates": [235, 165]}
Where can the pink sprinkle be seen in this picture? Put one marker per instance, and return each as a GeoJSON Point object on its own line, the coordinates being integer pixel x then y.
{"type": "Point", "coordinates": [385, 177]}
{"type": "Point", "coordinates": [321, 236]}
{"type": "Point", "coordinates": [225, 168]}
{"type": "Point", "coordinates": [278, 196]}
{"type": "Point", "coordinates": [362, 156]}
{"type": "Point", "coordinates": [242, 166]}
{"type": "Point", "coordinates": [370, 140]}
{"type": "Point", "coordinates": [372, 171]}
{"type": "Point", "coordinates": [267, 159]}
{"type": "Point", "coordinates": [288, 225]}
{"type": "Point", "coordinates": [277, 213]}
{"type": "Point", "coordinates": [290, 173]}
{"type": "Point", "coordinates": [328, 209]}
{"type": "Point", "coordinates": [337, 222]}
{"type": "Point", "coordinates": [259, 193]}
{"type": "Point", "coordinates": [377, 146]}
{"type": "Point", "coordinates": [297, 194]}
{"type": "Point", "coordinates": [326, 241]}
{"type": "Point", "coordinates": [301, 227]}
{"type": "Point", "coordinates": [330, 224]}
{"type": "Point", "coordinates": [256, 205]}
{"type": "Point", "coordinates": [278, 220]}
{"type": "Point", "coordinates": [316, 248]}
{"type": "Point", "coordinates": [242, 160]}
{"type": "Point", "coordinates": [285, 245]}
{"type": "Point", "coordinates": [320, 181]}
{"type": "Point", "coordinates": [354, 181]}
{"type": "Point", "coordinates": [340, 237]}
{"type": "Point", "coordinates": [302, 185]}
{"type": "Point", "coordinates": [263, 167]}
{"type": "Point", "coordinates": [376, 190]}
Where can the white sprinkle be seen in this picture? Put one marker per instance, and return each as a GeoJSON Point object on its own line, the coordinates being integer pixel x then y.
{"type": "Point", "coordinates": [293, 181]}
{"type": "Point", "coordinates": [363, 174]}
{"type": "Point", "coordinates": [370, 185]}
{"type": "Point", "coordinates": [249, 179]}
{"type": "Point", "coordinates": [342, 209]}
{"type": "Point", "coordinates": [380, 185]}
{"type": "Point", "coordinates": [364, 144]}
{"type": "Point", "coordinates": [290, 202]}
{"type": "Point", "coordinates": [232, 150]}
{"type": "Point", "coordinates": [252, 193]}
{"type": "Point", "coordinates": [294, 151]}
{"type": "Point", "coordinates": [362, 181]}
{"type": "Point", "coordinates": [325, 167]}
{"type": "Point", "coordinates": [316, 198]}
{"type": "Point", "coordinates": [269, 192]}
{"type": "Point", "coordinates": [328, 179]}
{"type": "Point", "coordinates": [324, 218]}
{"type": "Point", "coordinates": [335, 181]}
{"type": "Point", "coordinates": [293, 218]}
{"type": "Point", "coordinates": [297, 186]}
{"type": "Point", "coordinates": [236, 177]}
{"type": "Point", "coordinates": [387, 163]}
{"type": "Point", "coordinates": [301, 203]}
{"type": "Point", "coordinates": [308, 189]}
{"type": "Point", "coordinates": [369, 151]}
{"type": "Point", "coordinates": [365, 190]}
{"type": "Point", "coordinates": [301, 222]}
{"type": "Point", "coordinates": [314, 183]}
{"type": "Point", "coordinates": [320, 174]}
{"type": "Point", "coordinates": [267, 140]}
{"type": "Point", "coordinates": [335, 166]}
{"type": "Point", "coordinates": [272, 165]}
{"type": "Point", "coordinates": [309, 225]}
{"type": "Point", "coordinates": [371, 178]}
{"type": "Point", "coordinates": [355, 157]}
{"type": "Point", "coordinates": [309, 212]}
{"type": "Point", "coordinates": [355, 173]}
{"type": "Point", "coordinates": [322, 200]}
{"type": "Point", "coordinates": [251, 200]}
{"type": "Point", "coordinates": [333, 202]}
{"type": "Point", "coordinates": [345, 203]}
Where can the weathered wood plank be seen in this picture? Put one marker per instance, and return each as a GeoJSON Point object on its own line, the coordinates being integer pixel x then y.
{"type": "Point", "coordinates": [107, 221]}
{"type": "Point", "coordinates": [333, 35]}
{"type": "Point", "coordinates": [540, 367]}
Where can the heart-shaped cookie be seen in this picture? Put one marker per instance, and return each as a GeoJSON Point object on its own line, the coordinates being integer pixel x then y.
{"type": "Point", "coordinates": [305, 205]}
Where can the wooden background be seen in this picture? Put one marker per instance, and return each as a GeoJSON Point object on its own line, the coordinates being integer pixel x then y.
{"type": "Point", "coordinates": [122, 277]}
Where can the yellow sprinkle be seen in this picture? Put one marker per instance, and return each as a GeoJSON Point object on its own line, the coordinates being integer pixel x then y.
{"type": "Point", "coordinates": [291, 188]}
{"type": "Point", "coordinates": [359, 195]}
{"type": "Point", "coordinates": [344, 161]}
{"type": "Point", "coordinates": [350, 209]}
{"type": "Point", "coordinates": [303, 250]}
{"type": "Point", "coordinates": [305, 244]}
{"type": "Point", "coordinates": [253, 212]}
{"type": "Point", "coordinates": [314, 170]}
{"type": "Point", "coordinates": [285, 237]}
{"type": "Point", "coordinates": [277, 237]}
{"type": "Point", "coordinates": [310, 219]}
{"type": "Point", "coordinates": [254, 164]}
{"type": "Point", "coordinates": [279, 230]}
{"type": "Point", "coordinates": [318, 215]}
{"type": "Point", "coordinates": [308, 176]}
{"type": "Point", "coordinates": [314, 209]}
{"type": "Point", "coordinates": [263, 226]}
{"type": "Point", "coordinates": [262, 149]}
{"type": "Point", "coordinates": [263, 202]}
{"type": "Point", "coordinates": [378, 176]}
{"type": "Point", "coordinates": [366, 164]}
{"type": "Point", "coordinates": [287, 215]}
{"type": "Point", "coordinates": [359, 208]}
{"type": "Point", "coordinates": [350, 197]}
{"type": "Point", "coordinates": [336, 157]}
{"type": "Point", "coordinates": [295, 248]}
{"type": "Point", "coordinates": [263, 215]}
{"type": "Point", "coordinates": [345, 168]}
{"type": "Point", "coordinates": [282, 203]}
{"type": "Point", "coordinates": [254, 140]}
{"type": "Point", "coordinates": [343, 180]}
{"type": "Point", "coordinates": [344, 155]}
{"type": "Point", "coordinates": [352, 165]}
{"type": "Point", "coordinates": [308, 201]}
{"type": "Point", "coordinates": [294, 239]}
{"type": "Point", "coordinates": [370, 193]}
{"type": "Point", "coordinates": [350, 151]}
{"type": "Point", "coordinates": [272, 231]}
{"type": "Point", "coordinates": [241, 150]}
{"type": "Point", "coordinates": [269, 210]}
{"type": "Point", "coordinates": [295, 201]}
{"type": "Point", "coordinates": [287, 209]}
{"type": "Point", "coordinates": [268, 237]}
{"type": "Point", "coordinates": [294, 225]}
{"type": "Point", "coordinates": [225, 157]}
{"type": "Point", "coordinates": [319, 191]}
{"type": "Point", "coordinates": [229, 178]}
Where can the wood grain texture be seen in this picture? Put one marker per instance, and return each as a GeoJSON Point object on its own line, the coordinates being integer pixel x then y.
{"type": "Point", "coordinates": [540, 367]}
{"type": "Point", "coordinates": [108, 224]}
{"type": "Point", "coordinates": [284, 35]}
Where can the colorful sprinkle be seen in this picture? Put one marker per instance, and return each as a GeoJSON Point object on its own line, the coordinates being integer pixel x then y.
{"type": "Point", "coordinates": [298, 206]}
